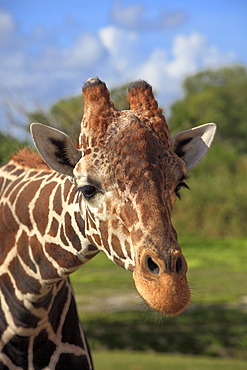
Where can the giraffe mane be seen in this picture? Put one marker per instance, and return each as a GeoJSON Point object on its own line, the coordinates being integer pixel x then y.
{"type": "Point", "coordinates": [28, 158]}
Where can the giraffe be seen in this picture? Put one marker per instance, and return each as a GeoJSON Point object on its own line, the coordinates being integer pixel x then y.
{"type": "Point", "coordinates": [113, 193]}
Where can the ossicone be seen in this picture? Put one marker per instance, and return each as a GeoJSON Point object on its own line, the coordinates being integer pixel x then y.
{"type": "Point", "coordinates": [140, 96]}
{"type": "Point", "coordinates": [96, 96]}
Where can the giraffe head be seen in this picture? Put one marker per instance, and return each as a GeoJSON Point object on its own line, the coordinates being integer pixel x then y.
{"type": "Point", "coordinates": [128, 172]}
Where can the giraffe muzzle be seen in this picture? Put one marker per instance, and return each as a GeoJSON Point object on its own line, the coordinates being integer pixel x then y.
{"type": "Point", "coordinates": [162, 282]}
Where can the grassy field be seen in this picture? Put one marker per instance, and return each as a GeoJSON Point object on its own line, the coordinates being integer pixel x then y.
{"type": "Point", "coordinates": [214, 325]}
{"type": "Point", "coordinates": [138, 361]}
{"type": "Point", "coordinates": [217, 270]}
{"type": "Point", "coordinates": [215, 332]}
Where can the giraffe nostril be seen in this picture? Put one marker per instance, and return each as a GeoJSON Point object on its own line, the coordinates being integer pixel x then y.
{"type": "Point", "coordinates": [152, 266]}
{"type": "Point", "coordinates": [179, 265]}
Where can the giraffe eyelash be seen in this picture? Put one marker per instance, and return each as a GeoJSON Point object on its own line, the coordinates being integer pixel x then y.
{"type": "Point", "coordinates": [179, 186]}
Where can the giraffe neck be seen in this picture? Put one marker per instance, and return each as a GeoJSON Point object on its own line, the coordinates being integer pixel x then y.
{"type": "Point", "coordinates": [42, 241]}
{"type": "Point", "coordinates": [48, 335]}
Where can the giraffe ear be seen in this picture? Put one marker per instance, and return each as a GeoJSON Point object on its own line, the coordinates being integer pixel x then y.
{"type": "Point", "coordinates": [56, 148]}
{"type": "Point", "coordinates": [192, 145]}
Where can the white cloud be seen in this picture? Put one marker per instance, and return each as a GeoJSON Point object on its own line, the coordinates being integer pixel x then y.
{"type": "Point", "coordinates": [166, 70]}
{"type": "Point", "coordinates": [172, 19]}
{"type": "Point", "coordinates": [188, 54]}
{"type": "Point", "coordinates": [194, 52]}
{"type": "Point", "coordinates": [41, 69]}
{"type": "Point", "coordinates": [127, 16]}
{"type": "Point", "coordinates": [86, 51]}
{"type": "Point", "coordinates": [121, 47]}
{"type": "Point", "coordinates": [112, 38]}
{"type": "Point", "coordinates": [136, 17]}
{"type": "Point", "coordinates": [6, 23]}
{"type": "Point", "coordinates": [37, 66]}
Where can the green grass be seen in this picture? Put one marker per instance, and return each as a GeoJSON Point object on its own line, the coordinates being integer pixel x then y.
{"type": "Point", "coordinates": [217, 269]}
{"type": "Point", "coordinates": [206, 332]}
{"type": "Point", "coordinates": [112, 360]}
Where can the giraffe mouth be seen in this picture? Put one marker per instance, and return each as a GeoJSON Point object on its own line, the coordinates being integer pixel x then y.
{"type": "Point", "coordinates": [163, 286]}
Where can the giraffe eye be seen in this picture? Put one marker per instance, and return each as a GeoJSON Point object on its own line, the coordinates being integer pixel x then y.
{"type": "Point", "coordinates": [88, 191]}
{"type": "Point", "coordinates": [181, 185]}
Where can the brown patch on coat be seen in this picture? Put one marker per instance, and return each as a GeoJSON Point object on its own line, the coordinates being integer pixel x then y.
{"type": "Point", "coordinates": [41, 209]}
{"type": "Point", "coordinates": [128, 214]}
{"type": "Point", "coordinates": [22, 198]}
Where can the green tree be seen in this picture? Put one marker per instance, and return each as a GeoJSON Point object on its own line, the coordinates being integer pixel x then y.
{"type": "Point", "coordinates": [65, 115]}
{"type": "Point", "coordinates": [215, 96]}
{"type": "Point", "coordinates": [8, 145]}
{"type": "Point", "coordinates": [119, 96]}
{"type": "Point", "coordinates": [217, 204]}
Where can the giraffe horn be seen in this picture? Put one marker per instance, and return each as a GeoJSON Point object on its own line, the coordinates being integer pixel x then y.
{"type": "Point", "coordinates": [140, 97]}
{"type": "Point", "coordinates": [98, 110]}
{"type": "Point", "coordinates": [96, 97]}
{"type": "Point", "coordinates": [141, 100]}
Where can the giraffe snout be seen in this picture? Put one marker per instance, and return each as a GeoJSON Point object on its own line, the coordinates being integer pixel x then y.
{"type": "Point", "coordinates": [162, 282]}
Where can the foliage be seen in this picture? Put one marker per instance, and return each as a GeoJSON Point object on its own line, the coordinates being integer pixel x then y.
{"type": "Point", "coordinates": [215, 96]}
{"type": "Point", "coordinates": [8, 145]}
{"type": "Point", "coordinates": [216, 206]}
{"type": "Point", "coordinates": [65, 115]}
{"type": "Point", "coordinates": [119, 97]}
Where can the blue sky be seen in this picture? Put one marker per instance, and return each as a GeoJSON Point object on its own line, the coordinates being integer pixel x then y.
{"type": "Point", "coordinates": [49, 48]}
